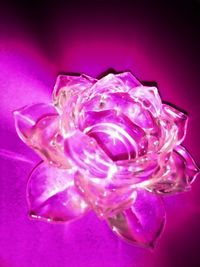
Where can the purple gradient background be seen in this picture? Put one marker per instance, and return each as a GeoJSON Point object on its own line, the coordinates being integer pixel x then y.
{"type": "Point", "coordinates": [157, 42]}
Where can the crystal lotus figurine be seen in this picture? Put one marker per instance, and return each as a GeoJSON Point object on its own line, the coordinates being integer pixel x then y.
{"type": "Point", "coordinates": [109, 145]}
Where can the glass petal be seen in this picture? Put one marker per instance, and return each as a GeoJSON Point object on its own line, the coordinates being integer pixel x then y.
{"type": "Point", "coordinates": [48, 142]}
{"type": "Point", "coordinates": [38, 127]}
{"type": "Point", "coordinates": [27, 117]}
{"type": "Point", "coordinates": [148, 97]}
{"type": "Point", "coordinates": [52, 195]}
{"type": "Point", "coordinates": [128, 80]}
{"type": "Point", "coordinates": [132, 172]}
{"type": "Point", "coordinates": [68, 95]}
{"type": "Point", "coordinates": [84, 152]}
{"type": "Point", "coordinates": [176, 174]}
{"type": "Point", "coordinates": [111, 92]}
{"type": "Point", "coordinates": [173, 127]}
{"type": "Point", "coordinates": [68, 88]}
{"type": "Point", "coordinates": [119, 101]}
{"type": "Point", "coordinates": [143, 222]}
{"type": "Point", "coordinates": [191, 170]}
{"type": "Point", "coordinates": [108, 84]}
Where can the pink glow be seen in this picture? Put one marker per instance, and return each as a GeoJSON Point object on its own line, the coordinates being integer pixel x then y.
{"type": "Point", "coordinates": [109, 145]}
{"type": "Point", "coordinates": [156, 42]}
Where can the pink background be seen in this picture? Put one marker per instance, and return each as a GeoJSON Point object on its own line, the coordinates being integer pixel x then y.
{"type": "Point", "coordinates": [157, 42]}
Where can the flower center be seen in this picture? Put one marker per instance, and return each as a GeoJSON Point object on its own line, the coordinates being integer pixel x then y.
{"type": "Point", "coordinates": [116, 134]}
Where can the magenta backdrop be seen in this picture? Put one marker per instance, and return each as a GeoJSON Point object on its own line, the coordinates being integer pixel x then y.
{"type": "Point", "coordinates": [157, 42]}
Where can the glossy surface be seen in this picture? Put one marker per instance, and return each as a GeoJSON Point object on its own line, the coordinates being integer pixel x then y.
{"type": "Point", "coordinates": [143, 222]}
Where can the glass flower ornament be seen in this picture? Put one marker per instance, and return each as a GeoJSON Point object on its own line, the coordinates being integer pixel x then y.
{"type": "Point", "coordinates": [109, 145]}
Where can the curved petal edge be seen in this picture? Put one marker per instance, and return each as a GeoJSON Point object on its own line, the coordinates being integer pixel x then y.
{"type": "Point", "coordinates": [52, 195]}
{"type": "Point", "coordinates": [143, 222]}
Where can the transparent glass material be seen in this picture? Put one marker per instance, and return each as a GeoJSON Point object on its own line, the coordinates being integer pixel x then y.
{"type": "Point", "coordinates": [107, 145]}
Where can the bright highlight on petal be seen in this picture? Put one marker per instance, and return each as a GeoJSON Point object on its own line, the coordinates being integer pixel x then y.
{"type": "Point", "coordinates": [52, 195]}
{"type": "Point", "coordinates": [109, 145]}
